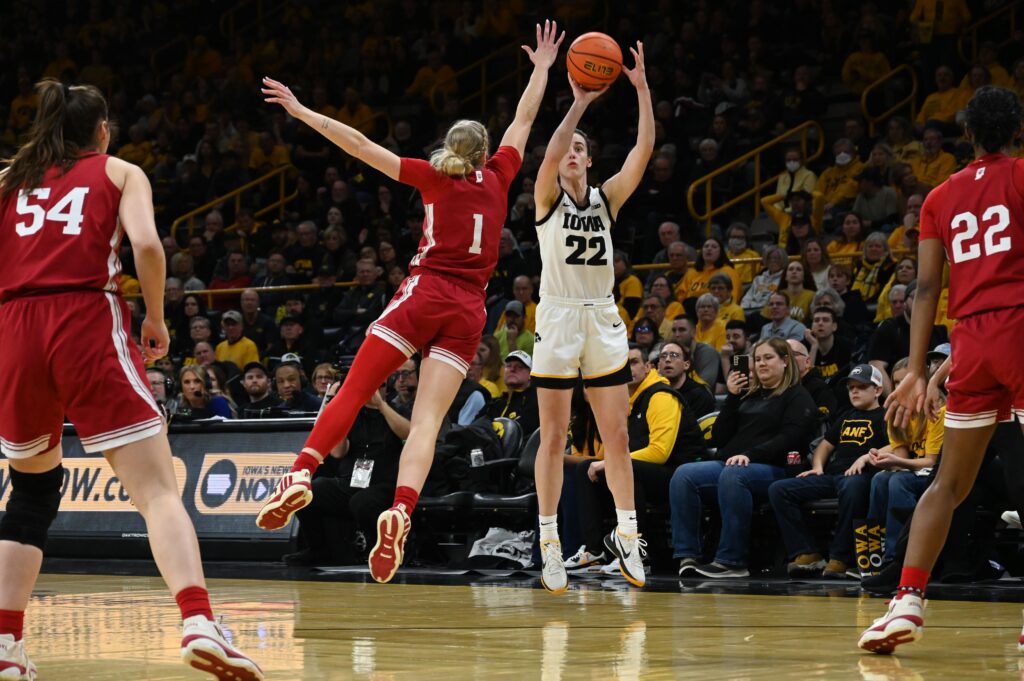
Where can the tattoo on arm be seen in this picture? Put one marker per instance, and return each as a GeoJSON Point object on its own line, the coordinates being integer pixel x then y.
{"type": "Point", "coordinates": [325, 123]}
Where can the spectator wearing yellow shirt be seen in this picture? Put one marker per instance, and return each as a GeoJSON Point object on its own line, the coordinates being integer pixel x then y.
{"type": "Point", "coordinates": [709, 328]}
{"type": "Point", "coordinates": [203, 61]}
{"type": "Point", "coordinates": [433, 77]}
{"type": "Point", "coordinates": [865, 66]}
{"type": "Point", "coordinates": [711, 261]}
{"type": "Point", "coordinates": [796, 227]}
{"type": "Point", "coordinates": [934, 166]}
{"type": "Point", "coordinates": [988, 59]}
{"type": "Point", "coordinates": [138, 150]}
{"type": "Point", "coordinates": [906, 272]}
{"type": "Point", "coordinates": [522, 290]}
{"type": "Point", "coordinates": [629, 291]}
{"type": "Point", "coordinates": [836, 184]}
{"type": "Point", "coordinates": [23, 106]}
{"type": "Point", "coordinates": [875, 268]}
{"type": "Point", "coordinates": [268, 154]}
{"type": "Point", "coordinates": [899, 135]}
{"type": "Point", "coordinates": [355, 113]}
{"type": "Point", "coordinates": [679, 272]}
{"type": "Point", "coordinates": [235, 347]}
{"type": "Point", "coordinates": [720, 287]}
{"type": "Point", "coordinates": [850, 241]}
{"type": "Point", "coordinates": [800, 289]}
{"type": "Point", "coordinates": [941, 106]}
{"type": "Point", "coordinates": [660, 287]}
{"type": "Point", "coordinates": [736, 248]}
{"type": "Point", "coordinates": [797, 178]}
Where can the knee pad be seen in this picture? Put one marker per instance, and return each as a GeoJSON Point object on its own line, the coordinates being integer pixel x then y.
{"type": "Point", "coordinates": [32, 507]}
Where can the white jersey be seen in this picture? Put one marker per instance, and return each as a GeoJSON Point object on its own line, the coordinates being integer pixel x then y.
{"type": "Point", "coordinates": [576, 248]}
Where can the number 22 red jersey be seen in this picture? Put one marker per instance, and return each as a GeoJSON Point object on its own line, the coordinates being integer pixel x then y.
{"type": "Point", "coordinates": [978, 214]}
{"type": "Point", "coordinates": [62, 235]}
{"type": "Point", "coordinates": [464, 216]}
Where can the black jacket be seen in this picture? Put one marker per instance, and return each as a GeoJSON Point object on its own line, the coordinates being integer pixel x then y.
{"type": "Point", "coordinates": [765, 428]}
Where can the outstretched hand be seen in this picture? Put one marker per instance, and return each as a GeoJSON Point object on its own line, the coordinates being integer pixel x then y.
{"type": "Point", "coordinates": [547, 46]}
{"type": "Point", "coordinates": [637, 75]}
{"type": "Point", "coordinates": [279, 93]}
{"type": "Point", "coordinates": [906, 400]}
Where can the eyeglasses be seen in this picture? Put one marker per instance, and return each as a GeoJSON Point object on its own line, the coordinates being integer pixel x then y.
{"type": "Point", "coordinates": [644, 329]}
{"type": "Point", "coordinates": [403, 374]}
{"type": "Point", "coordinates": [670, 355]}
{"type": "Point", "coordinates": [800, 354]}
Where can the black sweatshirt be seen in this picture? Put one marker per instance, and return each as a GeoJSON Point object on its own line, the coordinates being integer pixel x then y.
{"type": "Point", "coordinates": [765, 428]}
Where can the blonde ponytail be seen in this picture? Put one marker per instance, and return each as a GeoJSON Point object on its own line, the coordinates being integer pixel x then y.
{"type": "Point", "coordinates": [464, 150]}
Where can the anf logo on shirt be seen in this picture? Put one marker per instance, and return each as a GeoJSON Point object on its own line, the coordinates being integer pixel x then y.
{"type": "Point", "coordinates": [856, 431]}
{"type": "Point", "coordinates": [980, 173]}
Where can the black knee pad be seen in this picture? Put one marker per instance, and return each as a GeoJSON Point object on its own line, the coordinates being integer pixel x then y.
{"type": "Point", "coordinates": [35, 498]}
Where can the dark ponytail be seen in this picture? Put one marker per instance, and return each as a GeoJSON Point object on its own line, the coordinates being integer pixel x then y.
{"type": "Point", "coordinates": [994, 116]}
{"type": "Point", "coordinates": [65, 126]}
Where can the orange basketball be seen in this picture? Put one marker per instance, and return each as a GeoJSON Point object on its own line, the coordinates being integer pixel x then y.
{"type": "Point", "coordinates": [594, 60]}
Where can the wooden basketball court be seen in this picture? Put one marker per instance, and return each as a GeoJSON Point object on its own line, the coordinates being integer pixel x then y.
{"type": "Point", "coordinates": [102, 627]}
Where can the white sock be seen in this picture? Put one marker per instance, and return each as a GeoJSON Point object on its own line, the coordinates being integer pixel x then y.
{"type": "Point", "coordinates": [548, 527]}
{"type": "Point", "coordinates": [627, 521]}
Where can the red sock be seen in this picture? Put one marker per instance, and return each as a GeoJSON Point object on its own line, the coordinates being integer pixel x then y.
{"type": "Point", "coordinates": [12, 622]}
{"type": "Point", "coordinates": [912, 581]}
{"type": "Point", "coordinates": [406, 496]}
{"type": "Point", "coordinates": [376, 360]}
{"type": "Point", "coordinates": [306, 462]}
{"type": "Point", "coordinates": [194, 600]}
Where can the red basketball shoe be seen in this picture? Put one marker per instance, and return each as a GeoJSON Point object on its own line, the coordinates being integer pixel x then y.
{"type": "Point", "coordinates": [393, 527]}
{"type": "Point", "coordinates": [293, 493]}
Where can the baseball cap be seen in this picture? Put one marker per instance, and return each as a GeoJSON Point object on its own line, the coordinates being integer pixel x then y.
{"type": "Point", "coordinates": [231, 316]}
{"type": "Point", "coordinates": [514, 307]}
{"type": "Point", "coordinates": [254, 365]}
{"type": "Point", "coordinates": [940, 351]}
{"type": "Point", "coordinates": [521, 356]}
{"type": "Point", "coordinates": [289, 319]}
{"type": "Point", "coordinates": [291, 357]}
{"type": "Point", "coordinates": [866, 374]}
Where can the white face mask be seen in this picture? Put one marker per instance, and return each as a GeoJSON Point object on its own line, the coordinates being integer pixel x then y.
{"type": "Point", "coordinates": [737, 245]}
{"type": "Point", "coordinates": [843, 159]}
{"type": "Point", "coordinates": [792, 166]}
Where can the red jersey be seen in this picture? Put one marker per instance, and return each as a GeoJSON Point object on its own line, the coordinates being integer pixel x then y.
{"type": "Point", "coordinates": [63, 235]}
{"type": "Point", "coordinates": [978, 214]}
{"type": "Point", "coordinates": [464, 216]}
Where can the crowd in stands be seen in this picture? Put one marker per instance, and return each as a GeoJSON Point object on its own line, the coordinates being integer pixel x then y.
{"type": "Point", "coordinates": [814, 289]}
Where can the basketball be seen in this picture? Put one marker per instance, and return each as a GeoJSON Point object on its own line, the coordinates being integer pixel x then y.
{"type": "Point", "coordinates": [594, 61]}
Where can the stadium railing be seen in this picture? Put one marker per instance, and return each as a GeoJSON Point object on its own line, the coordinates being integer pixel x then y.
{"type": "Point", "coordinates": [890, 78]}
{"type": "Point", "coordinates": [804, 134]}
{"type": "Point", "coordinates": [280, 175]}
{"type": "Point", "coordinates": [998, 26]}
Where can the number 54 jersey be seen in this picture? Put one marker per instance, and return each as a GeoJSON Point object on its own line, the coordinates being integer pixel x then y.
{"type": "Point", "coordinates": [576, 248]}
{"type": "Point", "coordinates": [62, 235]}
{"type": "Point", "coordinates": [978, 215]}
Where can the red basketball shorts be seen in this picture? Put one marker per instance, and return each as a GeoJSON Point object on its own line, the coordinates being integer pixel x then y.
{"type": "Point", "coordinates": [437, 315]}
{"type": "Point", "coordinates": [71, 354]}
{"type": "Point", "coordinates": [986, 377]}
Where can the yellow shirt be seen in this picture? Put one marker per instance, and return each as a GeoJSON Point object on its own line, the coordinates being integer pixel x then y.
{"type": "Point", "coordinates": [799, 306]}
{"type": "Point", "coordinates": [491, 387]}
{"type": "Point", "coordinates": [714, 336]}
{"type": "Point", "coordinates": [929, 440]}
{"type": "Point", "coordinates": [784, 219]}
{"type": "Point", "coordinates": [664, 412]}
{"type": "Point", "coordinates": [838, 248]}
{"type": "Point", "coordinates": [907, 152]}
{"type": "Point", "coordinates": [361, 119]}
{"type": "Point", "coordinates": [729, 312]}
{"type": "Point", "coordinates": [803, 180]}
{"type": "Point", "coordinates": [746, 270]}
{"type": "Point", "coordinates": [837, 184]}
{"type": "Point", "coordinates": [140, 154]}
{"type": "Point", "coordinates": [942, 106]}
{"type": "Point", "coordinates": [869, 67]}
{"type": "Point", "coordinates": [241, 352]}
{"type": "Point", "coordinates": [933, 171]}
{"type": "Point", "coordinates": [955, 15]}
{"type": "Point", "coordinates": [630, 287]}
{"type": "Point", "coordinates": [261, 162]}
{"type": "Point", "coordinates": [698, 284]}
{"type": "Point", "coordinates": [682, 290]}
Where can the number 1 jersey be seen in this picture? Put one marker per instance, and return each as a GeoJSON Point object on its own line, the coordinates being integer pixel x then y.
{"type": "Point", "coordinates": [978, 214]}
{"type": "Point", "coordinates": [576, 248]}
{"type": "Point", "coordinates": [62, 235]}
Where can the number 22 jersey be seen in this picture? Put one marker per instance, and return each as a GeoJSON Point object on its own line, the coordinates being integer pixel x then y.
{"type": "Point", "coordinates": [576, 248]}
{"type": "Point", "coordinates": [64, 234]}
{"type": "Point", "coordinates": [978, 214]}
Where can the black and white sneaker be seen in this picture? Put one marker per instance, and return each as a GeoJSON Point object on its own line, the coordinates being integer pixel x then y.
{"type": "Point", "coordinates": [584, 558]}
{"type": "Point", "coordinates": [688, 566]}
{"type": "Point", "coordinates": [630, 550]}
{"type": "Point", "coordinates": [716, 570]}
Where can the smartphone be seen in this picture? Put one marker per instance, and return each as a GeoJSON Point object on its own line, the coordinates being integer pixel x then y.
{"type": "Point", "coordinates": [741, 363]}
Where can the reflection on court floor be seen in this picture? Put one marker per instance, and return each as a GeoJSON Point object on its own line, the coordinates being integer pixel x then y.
{"type": "Point", "coordinates": [92, 627]}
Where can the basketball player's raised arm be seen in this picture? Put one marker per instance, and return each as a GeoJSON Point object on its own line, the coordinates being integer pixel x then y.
{"type": "Point", "coordinates": [545, 188]}
{"type": "Point", "coordinates": [348, 139]}
{"type": "Point", "coordinates": [529, 103]}
{"type": "Point", "coordinates": [136, 216]}
{"type": "Point", "coordinates": [621, 186]}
